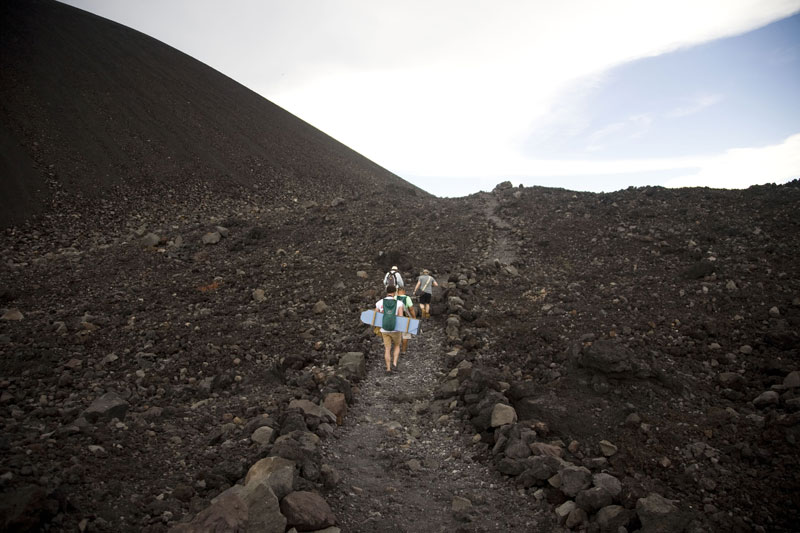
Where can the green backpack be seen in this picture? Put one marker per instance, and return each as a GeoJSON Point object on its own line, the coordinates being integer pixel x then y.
{"type": "Point", "coordinates": [389, 314]}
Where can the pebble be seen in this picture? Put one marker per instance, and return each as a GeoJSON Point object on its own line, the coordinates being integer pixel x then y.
{"type": "Point", "coordinates": [607, 448]}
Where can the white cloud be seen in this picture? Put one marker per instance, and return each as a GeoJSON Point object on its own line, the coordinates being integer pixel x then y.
{"type": "Point", "coordinates": [741, 167]}
{"type": "Point", "coordinates": [695, 105]}
{"type": "Point", "coordinates": [736, 168]}
{"type": "Point", "coordinates": [633, 127]}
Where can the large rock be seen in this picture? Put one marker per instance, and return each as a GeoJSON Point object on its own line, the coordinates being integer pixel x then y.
{"type": "Point", "coordinates": [659, 515]}
{"type": "Point", "coordinates": [792, 380]}
{"type": "Point", "coordinates": [564, 510]}
{"type": "Point", "coordinates": [353, 366]}
{"type": "Point", "coordinates": [212, 237]}
{"type": "Point", "coordinates": [767, 398]}
{"type": "Point", "coordinates": [732, 380]}
{"type": "Point", "coordinates": [307, 511]}
{"type": "Point", "coordinates": [263, 510]}
{"type": "Point", "coordinates": [275, 472]}
{"type": "Point", "coordinates": [227, 513]}
{"type": "Point", "coordinates": [312, 409]}
{"type": "Point", "coordinates": [502, 415]}
{"type": "Point", "coordinates": [608, 482]}
{"type": "Point", "coordinates": [594, 499]}
{"type": "Point", "coordinates": [12, 314]}
{"type": "Point", "coordinates": [575, 479]}
{"type": "Point", "coordinates": [336, 403]}
{"type": "Point", "coordinates": [613, 517]}
{"type": "Point", "coordinates": [302, 447]}
{"type": "Point", "coordinates": [106, 407]}
{"type": "Point", "coordinates": [263, 435]}
{"type": "Point", "coordinates": [539, 469]}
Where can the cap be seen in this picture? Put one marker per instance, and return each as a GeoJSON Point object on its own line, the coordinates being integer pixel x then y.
{"type": "Point", "coordinates": [394, 268]}
{"type": "Point", "coordinates": [426, 271]}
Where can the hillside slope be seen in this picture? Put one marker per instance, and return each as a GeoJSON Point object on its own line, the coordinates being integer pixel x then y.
{"type": "Point", "coordinates": [98, 107]}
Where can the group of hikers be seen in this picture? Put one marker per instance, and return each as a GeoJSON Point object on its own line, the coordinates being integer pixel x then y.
{"type": "Point", "coordinates": [396, 303]}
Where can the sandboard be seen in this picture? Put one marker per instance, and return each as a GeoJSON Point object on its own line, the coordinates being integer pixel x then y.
{"type": "Point", "coordinates": [402, 323]}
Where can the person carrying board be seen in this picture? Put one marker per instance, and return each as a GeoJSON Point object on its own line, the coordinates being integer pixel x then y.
{"type": "Point", "coordinates": [408, 306]}
{"type": "Point", "coordinates": [391, 308]}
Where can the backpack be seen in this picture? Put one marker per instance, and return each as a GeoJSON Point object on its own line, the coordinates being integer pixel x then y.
{"type": "Point", "coordinates": [392, 279]}
{"type": "Point", "coordinates": [389, 314]}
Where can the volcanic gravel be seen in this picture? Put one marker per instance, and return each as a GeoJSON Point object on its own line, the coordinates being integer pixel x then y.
{"type": "Point", "coordinates": [174, 276]}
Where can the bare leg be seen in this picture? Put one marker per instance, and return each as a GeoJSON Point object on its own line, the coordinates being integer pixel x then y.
{"type": "Point", "coordinates": [396, 354]}
{"type": "Point", "coordinates": [387, 356]}
{"type": "Point", "coordinates": [405, 345]}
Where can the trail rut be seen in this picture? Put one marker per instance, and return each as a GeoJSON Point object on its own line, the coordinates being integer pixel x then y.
{"type": "Point", "coordinates": [404, 462]}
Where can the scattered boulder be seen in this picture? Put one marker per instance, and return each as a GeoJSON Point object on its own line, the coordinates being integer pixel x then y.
{"type": "Point", "coordinates": [502, 415]}
{"type": "Point", "coordinates": [574, 479]}
{"type": "Point", "coordinates": [792, 380]}
{"type": "Point", "coordinates": [12, 314]}
{"type": "Point", "coordinates": [608, 482]}
{"type": "Point", "coordinates": [659, 515]}
{"type": "Point", "coordinates": [352, 365]}
{"type": "Point", "coordinates": [106, 407]}
{"type": "Point", "coordinates": [312, 409]}
{"type": "Point", "coordinates": [227, 513]}
{"type": "Point", "coordinates": [263, 435]}
{"type": "Point", "coordinates": [613, 517]}
{"type": "Point", "coordinates": [212, 237]}
{"type": "Point", "coordinates": [307, 511]}
{"type": "Point", "coordinates": [276, 472]}
{"type": "Point", "coordinates": [766, 399]}
{"type": "Point", "coordinates": [336, 403]}
{"type": "Point", "coordinates": [608, 449]}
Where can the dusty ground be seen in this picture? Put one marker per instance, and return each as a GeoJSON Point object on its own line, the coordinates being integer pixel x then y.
{"type": "Point", "coordinates": [664, 322]}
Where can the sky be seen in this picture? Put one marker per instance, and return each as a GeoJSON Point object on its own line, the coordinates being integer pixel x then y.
{"type": "Point", "coordinates": [456, 96]}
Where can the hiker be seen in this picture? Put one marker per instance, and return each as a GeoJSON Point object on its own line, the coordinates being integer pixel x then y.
{"type": "Point", "coordinates": [394, 308]}
{"type": "Point", "coordinates": [393, 277]}
{"type": "Point", "coordinates": [427, 283]}
{"type": "Point", "coordinates": [408, 306]}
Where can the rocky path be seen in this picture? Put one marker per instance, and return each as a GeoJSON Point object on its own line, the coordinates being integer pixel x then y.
{"type": "Point", "coordinates": [406, 465]}
{"type": "Point", "coordinates": [502, 248]}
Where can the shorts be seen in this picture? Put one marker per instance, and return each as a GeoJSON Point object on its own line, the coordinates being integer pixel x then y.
{"type": "Point", "coordinates": [425, 298]}
{"type": "Point", "coordinates": [406, 336]}
{"type": "Point", "coordinates": [389, 338]}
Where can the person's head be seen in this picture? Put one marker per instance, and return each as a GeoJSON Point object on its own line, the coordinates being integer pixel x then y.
{"type": "Point", "coordinates": [401, 291]}
{"type": "Point", "coordinates": [391, 289]}
{"type": "Point", "coordinates": [394, 269]}
{"type": "Point", "coordinates": [426, 272]}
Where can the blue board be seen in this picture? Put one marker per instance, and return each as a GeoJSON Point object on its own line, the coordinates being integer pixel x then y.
{"type": "Point", "coordinates": [402, 323]}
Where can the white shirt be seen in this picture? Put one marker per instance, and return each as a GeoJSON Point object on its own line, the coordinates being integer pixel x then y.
{"type": "Point", "coordinates": [379, 307]}
{"type": "Point", "coordinates": [398, 277]}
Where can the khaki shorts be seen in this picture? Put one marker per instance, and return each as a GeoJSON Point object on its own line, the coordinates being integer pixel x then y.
{"type": "Point", "coordinates": [389, 338]}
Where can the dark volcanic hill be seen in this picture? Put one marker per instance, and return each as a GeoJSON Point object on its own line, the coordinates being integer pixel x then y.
{"type": "Point", "coordinates": [95, 105]}
{"type": "Point", "coordinates": [185, 302]}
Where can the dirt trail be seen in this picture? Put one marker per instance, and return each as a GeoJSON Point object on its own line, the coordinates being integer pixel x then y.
{"type": "Point", "coordinates": [502, 248]}
{"type": "Point", "coordinates": [402, 461]}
